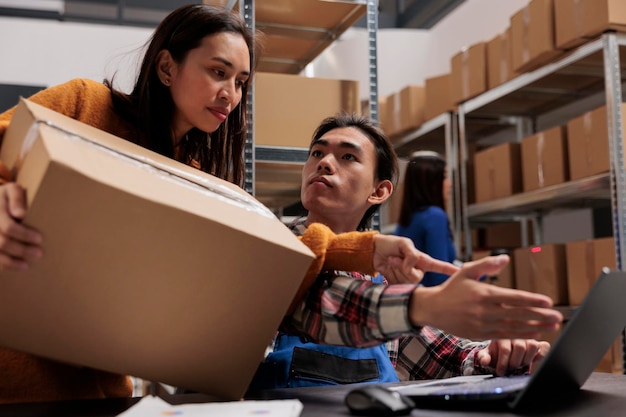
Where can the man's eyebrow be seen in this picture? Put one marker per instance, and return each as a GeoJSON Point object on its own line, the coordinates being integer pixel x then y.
{"type": "Point", "coordinates": [342, 144]}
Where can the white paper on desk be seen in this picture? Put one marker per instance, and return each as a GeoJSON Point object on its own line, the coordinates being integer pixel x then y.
{"type": "Point", "coordinates": [151, 406]}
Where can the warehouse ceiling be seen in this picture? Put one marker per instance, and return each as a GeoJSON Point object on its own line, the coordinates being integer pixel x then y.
{"type": "Point", "coordinates": [408, 14]}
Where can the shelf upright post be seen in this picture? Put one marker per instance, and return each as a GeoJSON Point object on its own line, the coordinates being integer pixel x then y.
{"type": "Point", "coordinates": [247, 12]}
{"type": "Point", "coordinates": [372, 48]}
{"type": "Point", "coordinates": [613, 86]}
{"type": "Point", "coordinates": [452, 161]}
{"type": "Point", "coordinates": [462, 146]}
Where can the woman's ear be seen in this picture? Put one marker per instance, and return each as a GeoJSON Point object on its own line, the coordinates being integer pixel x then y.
{"type": "Point", "coordinates": [381, 193]}
{"type": "Point", "coordinates": [165, 64]}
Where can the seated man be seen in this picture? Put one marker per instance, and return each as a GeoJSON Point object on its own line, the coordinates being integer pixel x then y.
{"type": "Point", "coordinates": [348, 174]}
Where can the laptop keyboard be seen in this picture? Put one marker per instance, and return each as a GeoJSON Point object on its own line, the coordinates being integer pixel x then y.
{"type": "Point", "coordinates": [495, 385]}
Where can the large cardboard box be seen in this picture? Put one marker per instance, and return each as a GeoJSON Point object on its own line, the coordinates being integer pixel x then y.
{"type": "Point", "coordinates": [151, 268]}
{"type": "Point", "coordinates": [288, 108]}
{"type": "Point", "coordinates": [438, 91]}
{"type": "Point", "coordinates": [469, 72]}
{"type": "Point", "coordinates": [544, 159]}
{"type": "Point", "coordinates": [542, 269]}
{"type": "Point", "coordinates": [577, 21]}
{"type": "Point", "coordinates": [588, 143]}
{"type": "Point", "coordinates": [585, 260]}
{"type": "Point", "coordinates": [497, 172]}
{"type": "Point", "coordinates": [532, 36]}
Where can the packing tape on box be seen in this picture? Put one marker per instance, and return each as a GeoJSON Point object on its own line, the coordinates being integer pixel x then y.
{"type": "Point", "coordinates": [169, 173]}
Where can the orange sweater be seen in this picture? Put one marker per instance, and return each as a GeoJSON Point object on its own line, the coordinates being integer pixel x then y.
{"type": "Point", "coordinates": [25, 378]}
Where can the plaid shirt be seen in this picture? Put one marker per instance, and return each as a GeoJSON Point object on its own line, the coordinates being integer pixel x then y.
{"type": "Point", "coordinates": [346, 308]}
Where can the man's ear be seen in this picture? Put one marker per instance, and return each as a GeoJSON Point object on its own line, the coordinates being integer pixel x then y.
{"type": "Point", "coordinates": [381, 193]}
{"type": "Point", "coordinates": [165, 64]}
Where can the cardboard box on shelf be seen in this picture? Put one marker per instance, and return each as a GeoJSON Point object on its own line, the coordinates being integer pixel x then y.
{"type": "Point", "coordinates": [532, 36]}
{"type": "Point", "coordinates": [497, 172]}
{"type": "Point", "coordinates": [391, 125]}
{"type": "Point", "coordinates": [289, 107]}
{"type": "Point", "coordinates": [143, 266]}
{"type": "Point", "coordinates": [588, 144]}
{"type": "Point", "coordinates": [412, 106]}
{"type": "Point", "coordinates": [499, 60]}
{"type": "Point", "coordinates": [542, 269]}
{"type": "Point", "coordinates": [506, 235]}
{"type": "Point", "coordinates": [585, 260]}
{"type": "Point", "coordinates": [438, 92]}
{"type": "Point", "coordinates": [545, 159]}
{"type": "Point", "coordinates": [469, 72]}
{"type": "Point", "coordinates": [576, 21]}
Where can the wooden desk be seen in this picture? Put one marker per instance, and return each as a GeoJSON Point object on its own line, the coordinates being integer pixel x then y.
{"type": "Point", "coordinates": [602, 395]}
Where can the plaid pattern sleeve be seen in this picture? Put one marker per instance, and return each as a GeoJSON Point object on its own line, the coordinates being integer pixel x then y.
{"type": "Point", "coordinates": [342, 310]}
{"type": "Point", "coordinates": [434, 354]}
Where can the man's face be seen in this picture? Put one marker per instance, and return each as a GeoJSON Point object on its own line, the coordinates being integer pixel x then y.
{"type": "Point", "coordinates": [338, 176]}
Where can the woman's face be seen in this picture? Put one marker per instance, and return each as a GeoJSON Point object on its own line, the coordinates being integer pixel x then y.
{"type": "Point", "coordinates": [208, 84]}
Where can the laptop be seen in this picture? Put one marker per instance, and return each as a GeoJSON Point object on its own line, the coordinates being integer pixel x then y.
{"type": "Point", "coordinates": [583, 341]}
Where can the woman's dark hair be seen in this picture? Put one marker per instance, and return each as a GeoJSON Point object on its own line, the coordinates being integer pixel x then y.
{"type": "Point", "coordinates": [150, 108]}
{"type": "Point", "coordinates": [386, 158]}
{"type": "Point", "coordinates": [423, 184]}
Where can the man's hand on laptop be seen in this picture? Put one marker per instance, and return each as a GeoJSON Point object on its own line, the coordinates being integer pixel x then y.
{"type": "Point", "coordinates": [513, 356]}
{"type": "Point", "coordinates": [476, 310]}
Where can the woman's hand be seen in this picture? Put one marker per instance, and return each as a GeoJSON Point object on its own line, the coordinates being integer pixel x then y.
{"type": "Point", "coordinates": [20, 245]}
{"type": "Point", "coordinates": [397, 259]}
{"type": "Point", "coordinates": [480, 311]}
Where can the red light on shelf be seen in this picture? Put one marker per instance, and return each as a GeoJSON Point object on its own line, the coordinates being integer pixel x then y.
{"type": "Point", "coordinates": [536, 249]}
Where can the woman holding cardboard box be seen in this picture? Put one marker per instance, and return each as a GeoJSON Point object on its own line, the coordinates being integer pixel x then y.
{"type": "Point", "coordinates": [193, 81]}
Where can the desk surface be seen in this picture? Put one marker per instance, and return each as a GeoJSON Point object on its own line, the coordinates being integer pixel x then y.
{"type": "Point", "coordinates": [602, 395]}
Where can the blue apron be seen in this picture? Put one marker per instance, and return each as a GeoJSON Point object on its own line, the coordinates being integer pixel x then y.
{"type": "Point", "coordinates": [296, 363]}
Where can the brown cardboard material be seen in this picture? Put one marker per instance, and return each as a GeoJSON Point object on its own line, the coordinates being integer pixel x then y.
{"type": "Point", "coordinates": [576, 21]}
{"type": "Point", "coordinates": [497, 172]}
{"type": "Point", "coordinates": [469, 72]}
{"type": "Point", "coordinates": [542, 269]}
{"type": "Point", "coordinates": [412, 104]}
{"type": "Point", "coordinates": [585, 260]}
{"type": "Point", "coordinates": [532, 35]}
{"type": "Point", "coordinates": [151, 268]}
{"type": "Point", "coordinates": [568, 23]}
{"type": "Point", "coordinates": [587, 143]}
{"type": "Point", "coordinates": [438, 91]}
{"type": "Point", "coordinates": [506, 235]}
{"type": "Point", "coordinates": [544, 159]}
{"type": "Point", "coordinates": [499, 60]}
{"type": "Point", "coordinates": [288, 107]}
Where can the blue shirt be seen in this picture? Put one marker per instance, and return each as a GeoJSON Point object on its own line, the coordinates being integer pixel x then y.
{"type": "Point", "coordinates": [430, 232]}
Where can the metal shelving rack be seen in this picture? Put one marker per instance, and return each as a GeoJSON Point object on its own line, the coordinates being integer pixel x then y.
{"type": "Point", "coordinates": [589, 76]}
{"type": "Point", "coordinates": [585, 78]}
